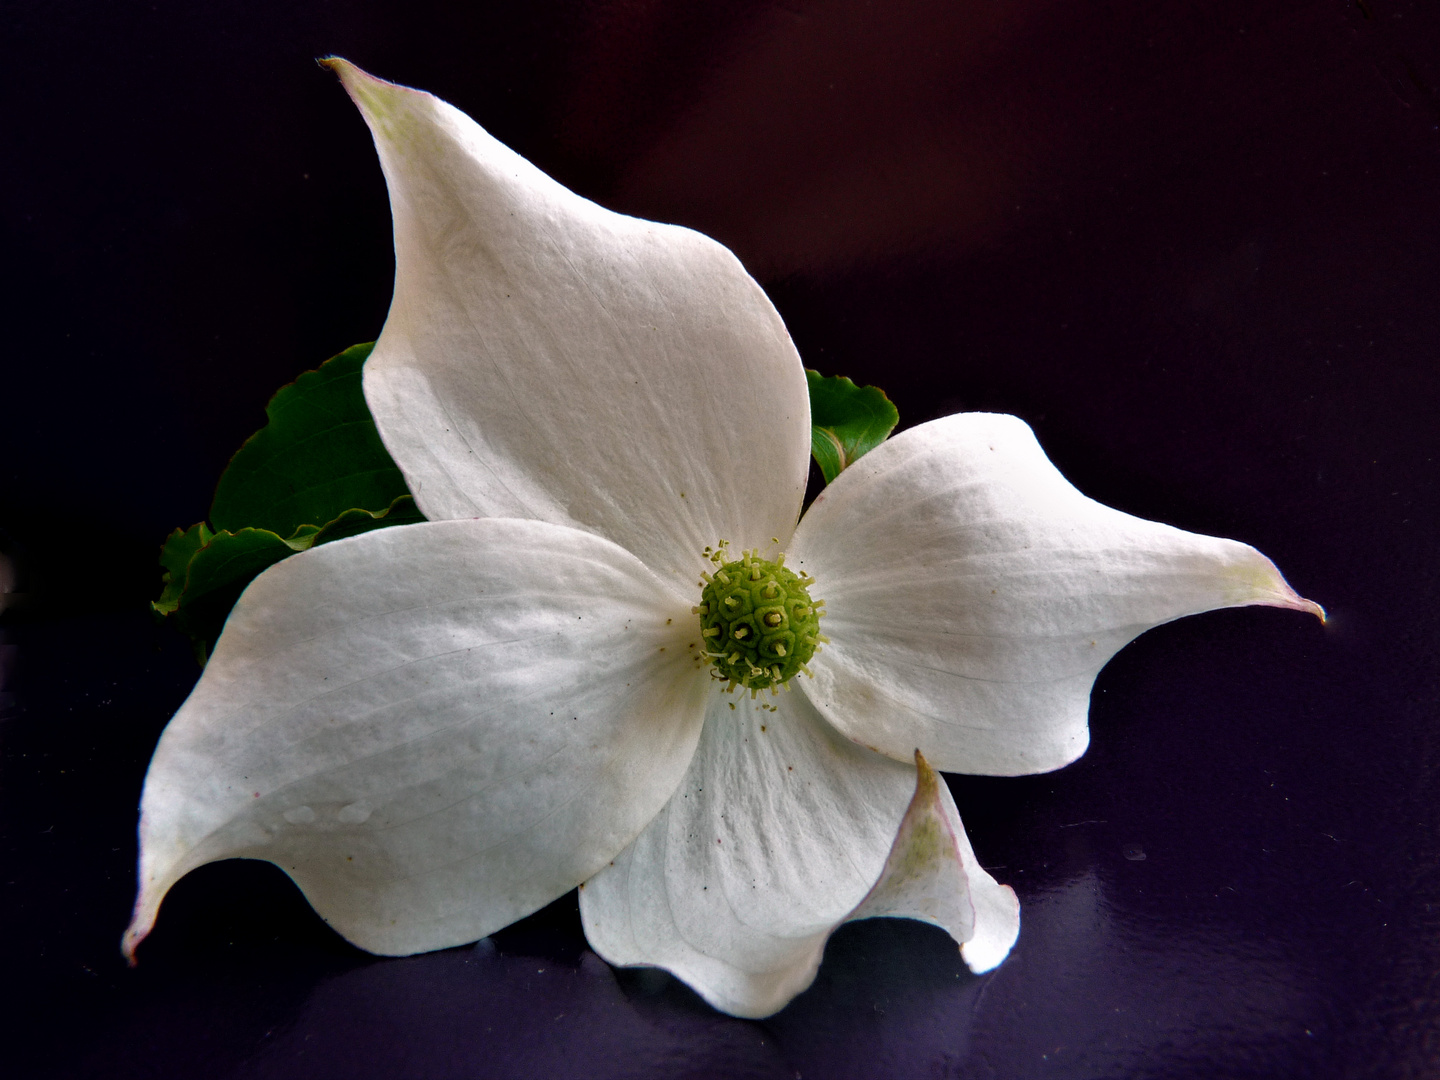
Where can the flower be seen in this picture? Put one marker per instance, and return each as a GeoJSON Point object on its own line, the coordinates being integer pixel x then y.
{"type": "Point", "coordinates": [437, 729]}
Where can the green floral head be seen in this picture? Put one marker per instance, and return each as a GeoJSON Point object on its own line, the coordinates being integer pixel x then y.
{"type": "Point", "coordinates": [759, 623]}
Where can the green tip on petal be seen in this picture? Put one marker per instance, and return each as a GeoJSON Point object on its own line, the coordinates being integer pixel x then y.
{"type": "Point", "coordinates": [379, 101]}
{"type": "Point", "coordinates": [1264, 584]}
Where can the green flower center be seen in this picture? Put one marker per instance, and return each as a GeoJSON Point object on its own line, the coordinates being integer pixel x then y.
{"type": "Point", "coordinates": [759, 625]}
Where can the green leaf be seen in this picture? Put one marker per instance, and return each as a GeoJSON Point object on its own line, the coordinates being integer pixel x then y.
{"type": "Point", "coordinates": [199, 599]}
{"type": "Point", "coordinates": [846, 421]}
{"type": "Point", "coordinates": [179, 548]}
{"type": "Point", "coordinates": [317, 458]}
{"type": "Point", "coordinates": [207, 571]}
{"type": "Point", "coordinates": [355, 521]}
{"type": "Point", "coordinates": [316, 472]}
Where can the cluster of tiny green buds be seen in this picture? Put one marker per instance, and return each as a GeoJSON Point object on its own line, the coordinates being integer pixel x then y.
{"type": "Point", "coordinates": [758, 624]}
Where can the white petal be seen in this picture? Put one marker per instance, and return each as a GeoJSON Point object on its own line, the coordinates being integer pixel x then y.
{"type": "Point", "coordinates": [546, 358]}
{"type": "Point", "coordinates": [932, 875]}
{"type": "Point", "coordinates": [777, 832]}
{"type": "Point", "coordinates": [972, 595]}
{"type": "Point", "coordinates": [434, 729]}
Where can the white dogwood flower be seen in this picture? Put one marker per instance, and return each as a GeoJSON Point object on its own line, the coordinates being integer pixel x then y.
{"type": "Point", "coordinates": [437, 729]}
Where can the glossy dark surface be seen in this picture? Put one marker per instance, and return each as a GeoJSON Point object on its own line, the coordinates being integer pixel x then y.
{"type": "Point", "coordinates": [1196, 246]}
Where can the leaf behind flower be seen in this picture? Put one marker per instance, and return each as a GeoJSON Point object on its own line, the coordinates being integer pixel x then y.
{"type": "Point", "coordinates": [846, 421]}
{"type": "Point", "coordinates": [317, 457]}
{"type": "Point", "coordinates": [316, 472]}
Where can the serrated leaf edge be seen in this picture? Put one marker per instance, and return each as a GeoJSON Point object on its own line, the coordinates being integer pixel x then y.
{"type": "Point", "coordinates": [302, 539]}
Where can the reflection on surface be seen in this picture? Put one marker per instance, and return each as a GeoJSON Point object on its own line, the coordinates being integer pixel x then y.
{"type": "Point", "coordinates": [479, 1012]}
{"type": "Point", "coordinates": [1094, 990]}
{"type": "Point", "coordinates": [1089, 991]}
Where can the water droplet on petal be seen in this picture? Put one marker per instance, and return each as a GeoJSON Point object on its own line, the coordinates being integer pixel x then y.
{"type": "Point", "coordinates": [354, 814]}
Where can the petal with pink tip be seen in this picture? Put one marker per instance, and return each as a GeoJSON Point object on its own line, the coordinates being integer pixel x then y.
{"type": "Point", "coordinates": [972, 595]}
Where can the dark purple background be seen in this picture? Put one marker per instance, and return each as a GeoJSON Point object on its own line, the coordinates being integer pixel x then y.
{"type": "Point", "coordinates": [1195, 245]}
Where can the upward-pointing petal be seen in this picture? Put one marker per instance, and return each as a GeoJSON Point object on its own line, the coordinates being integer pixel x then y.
{"type": "Point", "coordinates": [546, 358]}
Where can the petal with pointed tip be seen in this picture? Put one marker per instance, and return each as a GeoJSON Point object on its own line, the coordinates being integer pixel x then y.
{"type": "Point", "coordinates": [434, 729]}
{"type": "Point", "coordinates": [972, 595]}
{"type": "Point", "coordinates": [547, 358]}
{"type": "Point", "coordinates": [932, 875]}
{"type": "Point", "coordinates": [777, 832]}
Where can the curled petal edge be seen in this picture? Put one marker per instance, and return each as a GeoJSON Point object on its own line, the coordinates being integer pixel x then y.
{"type": "Point", "coordinates": [932, 875]}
